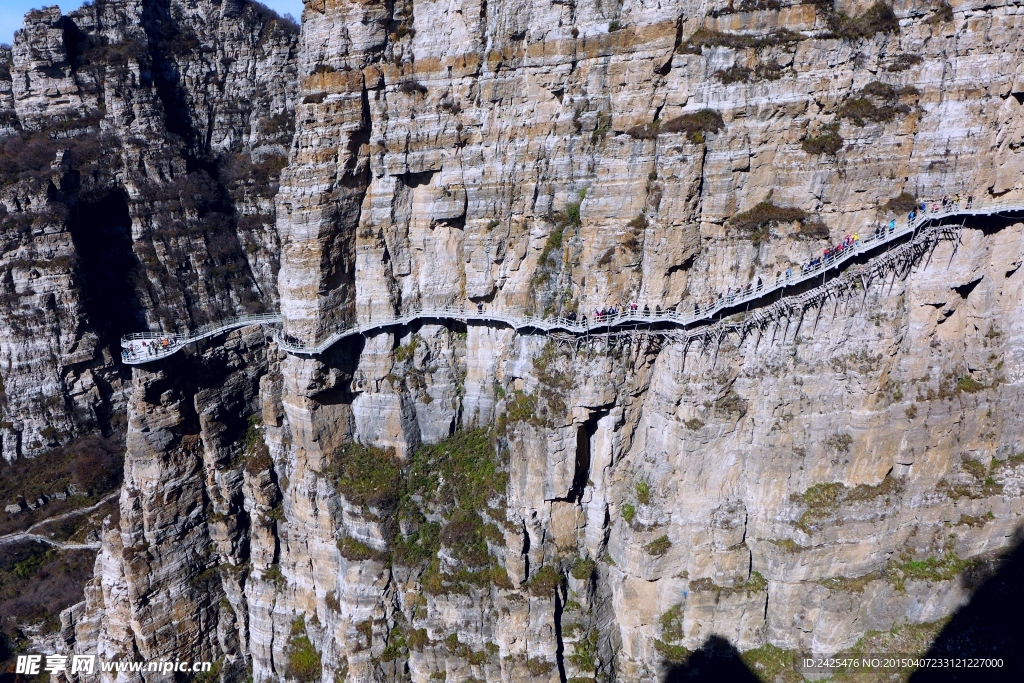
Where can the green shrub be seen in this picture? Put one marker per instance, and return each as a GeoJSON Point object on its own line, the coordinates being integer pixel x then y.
{"type": "Point", "coordinates": [704, 37]}
{"type": "Point", "coordinates": [756, 222]}
{"type": "Point", "coordinates": [583, 569]}
{"type": "Point", "coordinates": [658, 546]}
{"type": "Point", "coordinates": [829, 141]}
{"type": "Point", "coordinates": [643, 492]}
{"type": "Point", "coordinates": [695, 124]}
{"type": "Point", "coordinates": [879, 18]}
{"type": "Point", "coordinates": [903, 203]}
{"type": "Point", "coordinates": [903, 62]}
{"type": "Point", "coordinates": [303, 660]}
{"type": "Point", "coordinates": [672, 623]}
{"type": "Point", "coordinates": [969, 384]}
{"type": "Point", "coordinates": [628, 513]}
{"type": "Point", "coordinates": [544, 581]}
{"type": "Point", "coordinates": [366, 475]}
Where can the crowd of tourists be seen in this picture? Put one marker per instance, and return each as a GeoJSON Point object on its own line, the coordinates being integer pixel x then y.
{"type": "Point", "coordinates": [148, 348]}
{"type": "Point", "coordinates": [850, 242]}
{"type": "Point", "coordinates": [829, 256]}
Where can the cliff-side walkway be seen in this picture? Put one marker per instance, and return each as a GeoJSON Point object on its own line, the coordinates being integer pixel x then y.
{"type": "Point", "coordinates": [922, 227]}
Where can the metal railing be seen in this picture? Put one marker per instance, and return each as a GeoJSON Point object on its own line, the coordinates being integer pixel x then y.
{"type": "Point", "coordinates": [146, 347]}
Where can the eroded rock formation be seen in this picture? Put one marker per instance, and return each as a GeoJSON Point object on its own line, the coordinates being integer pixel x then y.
{"type": "Point", "coordinates": [836, 475]}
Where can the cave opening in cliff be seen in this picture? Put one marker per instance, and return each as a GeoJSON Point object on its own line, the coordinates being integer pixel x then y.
{"type": "Point", "coordinates": [584, 436]}
{"type": "Point", "coordinates": [101, 231]}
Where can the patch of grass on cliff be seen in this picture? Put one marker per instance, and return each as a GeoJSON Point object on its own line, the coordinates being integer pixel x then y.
{"type": "Point", "coordinates": [704, 37]}
{"type": "Point", "coordinates": [754, 584]}
{"type": "Point", "coordinates": [828, 141]}
{"type": "Point", "coordinates": [406, 352]}
{"type": "Point", "coordinates": [879, 18]}
{"type": "Point", "coordinates": [628, 512]}
{"type": "Point", "coordinates": [548, 405]}
{"type": "Point", "coordinates": [303, 660]}
{"type": "Point", "coordinates": [584, 652]}
{"type": "Point", "coordinates": [821, 501]}
{"type": "Point", "coordinates": [461, 483]}
{"type": "Point", "coordinates": [672, 623]}
{"type": "Point", "coordinates": [695, 124]}
{"type": "Point", "coordinates": [755, 223]}
{"type": "Point", "coordinates": [675, 654]}
{"type": "Point", "coordinates": [911, 640]}
{"type": "Point", "coordinates": [771, 663]}
{"type": "Point", "coordinates": [969, 384]}
{"type": "Point", "coordinates": [932, 569]}
{"type": "Point", "coordinates": [902, 203]}
{"type": "Point", "coordinates": [365, 475]}
{"type": "Point", "coordinates": [877, 102]}
{"type": "Point", "coordinates": [658, 546]}
{"type": "Point", "coordinates": [583, 569]}
{"type": "Point", "coordinates": [354, 550]}
{"type": "Point", "coordinates": [254, 448]}
{"type": "Point", "coordinates": [28, 155]}
{"type": "Point", "coordinates": [981, 485]}
{"type": "Point", "coordinates": [544, 582]}
{"type": "Point", "coordinates": [855, 585]}
{"type": "Point", "coordinates": [547, 286]}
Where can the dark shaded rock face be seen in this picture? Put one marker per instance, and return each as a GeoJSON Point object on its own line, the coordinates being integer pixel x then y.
{"type": "Point", "coordinates": [140, 147]}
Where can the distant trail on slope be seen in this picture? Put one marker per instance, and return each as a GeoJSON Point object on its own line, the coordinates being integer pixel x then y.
{"type": "Point", "coordinates": [27, 534]}
{"type": "Point", "coordinates": [146, 347]}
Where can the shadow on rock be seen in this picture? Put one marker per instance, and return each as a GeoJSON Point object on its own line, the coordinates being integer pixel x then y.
{"type": "Point", "coordinates": [717, 661]}
{"type": "Point", "coordinates": [990, 626]}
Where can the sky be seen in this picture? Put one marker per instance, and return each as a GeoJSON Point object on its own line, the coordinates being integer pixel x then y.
{"type": "Point", "coordinates": [12, 11]}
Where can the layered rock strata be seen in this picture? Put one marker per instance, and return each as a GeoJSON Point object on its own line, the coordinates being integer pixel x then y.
{"type": "Point", "coordinates": [139, 158]}
{"type": "Point", "coordinates": [836, 475]}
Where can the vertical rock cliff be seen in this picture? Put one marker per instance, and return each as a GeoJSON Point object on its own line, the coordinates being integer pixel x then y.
{"type": "Point", "coordinates": [464, 502]}
{"type": "Point", "coordinates": [142, 146]}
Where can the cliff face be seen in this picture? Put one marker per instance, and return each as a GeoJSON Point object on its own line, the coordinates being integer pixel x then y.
{"type": "Point", "coordinates": [142, 144]}
{"type": "Point", "coordinates": [465, 502]}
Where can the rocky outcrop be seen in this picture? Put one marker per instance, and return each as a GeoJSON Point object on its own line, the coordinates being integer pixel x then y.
{"type": "Point", "coordinates": [619, 501]}
{"type": "Point", "coordinates": [137, 175]}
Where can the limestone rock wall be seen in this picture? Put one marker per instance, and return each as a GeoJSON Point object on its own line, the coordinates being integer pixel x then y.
{"type": "Point", "coordinates": [141, 146]}
{"type": "Point", "coordinates": [773, 490]}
